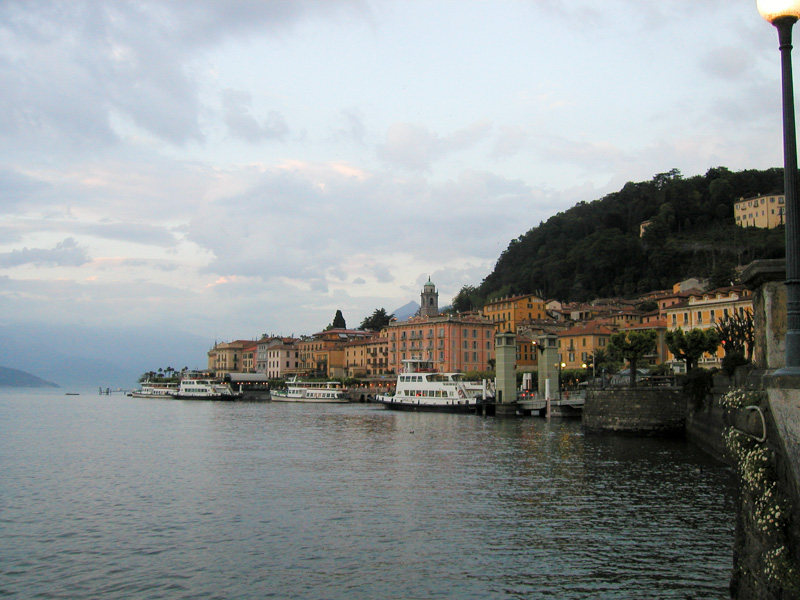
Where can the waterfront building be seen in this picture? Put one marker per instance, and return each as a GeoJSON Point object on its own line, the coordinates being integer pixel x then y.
{"type": "Point", "coordinates": [764, 211]}
{"type": "Point", "coordinates": [323, 354]}
{"type": "Point", "coordinates": [278, 357]}
{"type": "Point", "coordinates": [509, 313]}
{"type": "Point", "coordinates": [227, 357]}
{"type": "Point", "coordinates": [457, 343]}
{"type": "Point", "coordinates": [701, 310]}
{"type": "Point", "coordinates": [368, 357]}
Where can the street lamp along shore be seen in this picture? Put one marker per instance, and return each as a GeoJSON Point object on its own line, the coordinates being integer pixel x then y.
{"type": "Point", "coordinates": [783, 14]}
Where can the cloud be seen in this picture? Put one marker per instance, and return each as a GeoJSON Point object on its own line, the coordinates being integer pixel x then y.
{"type": "Point", "coordinates": [241, 122]}
{"type": "Point", "coordinates": [88, 72]}
{"type": "Point", "coordinates": [352, 126]}
{"type": "Point", "coordinates": [415, 147]}
{"type": "Point", "coordinates": [66, 253]}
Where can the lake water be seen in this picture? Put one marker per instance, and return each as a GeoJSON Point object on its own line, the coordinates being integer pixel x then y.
{"type": "Point", "coordinates": [116, 497]}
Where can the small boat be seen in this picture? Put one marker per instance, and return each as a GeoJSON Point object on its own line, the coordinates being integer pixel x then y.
{"type": "Point", "coordinates": [205, 389]}
{"type": "Point", "coordinates": [421, 388]}
{"type": "Point", "coordinates": [310, 391]}
{"type": "Point", "coordinates": [155, 390]}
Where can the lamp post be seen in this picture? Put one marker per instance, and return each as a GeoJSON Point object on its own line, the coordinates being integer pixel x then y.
{"type": "Point", "coordinates": [783, 14]}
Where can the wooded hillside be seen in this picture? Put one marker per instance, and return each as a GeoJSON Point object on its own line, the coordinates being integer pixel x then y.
{"type": "Point", "coordinates": [594, 249]}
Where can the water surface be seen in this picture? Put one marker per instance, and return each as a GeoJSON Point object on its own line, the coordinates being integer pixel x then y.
{"type": "Point", "coordinates": [115, 497]}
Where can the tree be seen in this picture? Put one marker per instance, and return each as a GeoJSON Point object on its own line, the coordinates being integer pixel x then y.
{"type": "Point", "coordinates": [737, 336]}
{"type": "Point", "coordinates": [377, 320]}
{"type": "Point", "coordinates": [631, 346]}
{"type": "Point", "coordinates": [691, 345]}
{"type": "Point", "coordinates": [466, 299]}
{"type": "Point", "coordinates": [338, 321]}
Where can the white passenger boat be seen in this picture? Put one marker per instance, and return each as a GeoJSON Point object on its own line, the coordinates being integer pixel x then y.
{"type": "Point", "coordinates": [419, 387]}
{"type": "Point", "coordinates": [155, 390]}
{"type": "Point", "coordinates": [310, 391]}
{"type": "Point", "coordinates": [205, 389]}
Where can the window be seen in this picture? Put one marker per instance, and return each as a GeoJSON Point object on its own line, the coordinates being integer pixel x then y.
{"type": "Point", "coordinates": [699, 318]}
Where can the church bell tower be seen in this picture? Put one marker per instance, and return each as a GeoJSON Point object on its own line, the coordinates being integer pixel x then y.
{"type": "Point", "coordinates": [429, 300]}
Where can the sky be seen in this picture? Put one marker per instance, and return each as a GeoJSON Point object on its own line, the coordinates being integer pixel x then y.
{"type": "Point", "coordinates": [234, 168]}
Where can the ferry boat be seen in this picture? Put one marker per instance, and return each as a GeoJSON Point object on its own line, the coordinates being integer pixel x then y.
{"type": "Point", "coordinates": [421, 388]}
{"type": "Point", "coordinates": [155, 390]}
{"type": "Point", "coordinates": [310, 391]}
{"type": "Point", "coordinates": [205, 389]}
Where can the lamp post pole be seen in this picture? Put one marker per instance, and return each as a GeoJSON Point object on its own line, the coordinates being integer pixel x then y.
{"type": "Point", "coordinates": [783, 14]}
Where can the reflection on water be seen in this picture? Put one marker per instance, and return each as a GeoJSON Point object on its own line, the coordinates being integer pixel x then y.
{"type": "Point", "coordinates": [116, 497]}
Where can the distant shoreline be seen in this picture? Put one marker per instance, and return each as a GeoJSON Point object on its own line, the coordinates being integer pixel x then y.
{"type": "Point", "coordinates": [14, 378]}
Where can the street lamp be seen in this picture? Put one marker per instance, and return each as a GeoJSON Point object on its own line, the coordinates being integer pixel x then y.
{"type": "Point", "coordinates": [783, 14]}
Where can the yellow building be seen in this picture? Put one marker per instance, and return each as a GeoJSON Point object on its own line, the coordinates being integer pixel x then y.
{"type": "Point", "coordinates": [323, 354]}
{"type": "Point", "coordinates": [701, 310]}
{"type": "Point", "coordinates": [764, 211]}
{"type": "Point", "coordinates": [231, 357]}
{"type": "Point", "coordinates": [508, 313]}
{"type": "Point", "coordinates": [367, 358]}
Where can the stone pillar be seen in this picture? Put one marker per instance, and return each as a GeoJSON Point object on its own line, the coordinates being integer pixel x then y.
{"type": "Point", "coordinates": [764, 278]}
{"type": "Point", "coordinates": [505, 348]}
{"type": "Point", "coordinates": [548, 364]}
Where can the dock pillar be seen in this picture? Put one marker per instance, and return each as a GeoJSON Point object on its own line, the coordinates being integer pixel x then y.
{"type": "Point", "coordinates": [505, 346]}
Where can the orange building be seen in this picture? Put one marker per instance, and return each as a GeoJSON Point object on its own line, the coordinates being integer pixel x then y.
{"type": "Point", "coordinates": [453, 343]}
{"type": "Point", "coordinates": [577, 344]}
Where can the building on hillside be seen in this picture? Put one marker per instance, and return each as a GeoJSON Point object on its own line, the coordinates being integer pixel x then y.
{"type": "Point", "coordinates": [509, 313]}
{"type": "Point", "coordinates": [368, 357]}
{"type": "Point", "coordinates": [701, 310]}
{"type": "Point", "coordinates": [453, 343]}
{"type": "Point", "coordinates": [577, 345]}
{"type": "Point", "coordinates": [765, 211]}
{"type": "Point", "coordinates": [323, 354]}
{"type": "Point", "coordinates": [625, 318]}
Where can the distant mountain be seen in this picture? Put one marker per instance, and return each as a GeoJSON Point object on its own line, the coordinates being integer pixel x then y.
{"type": "Point", "coordinates": [405, 312]}
{"type": "Point", "coordinates": [17, 378]}
{"type": "Point", "coordinates": [73, 355]}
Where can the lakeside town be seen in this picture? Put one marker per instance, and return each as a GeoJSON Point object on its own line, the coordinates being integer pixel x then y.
{"type": "Point", "coordinates": [464, 342]}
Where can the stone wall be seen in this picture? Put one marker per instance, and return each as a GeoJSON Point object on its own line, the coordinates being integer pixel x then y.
{"type": "Point", "coordinates": [639, 410]}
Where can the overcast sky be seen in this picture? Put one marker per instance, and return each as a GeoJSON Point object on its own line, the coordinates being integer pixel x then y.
{"type": "Point", "coordinates": [240, 167]}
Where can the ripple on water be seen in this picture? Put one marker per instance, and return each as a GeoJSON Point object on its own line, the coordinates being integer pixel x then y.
{"type": "Point", "coordinates": [124, 498]}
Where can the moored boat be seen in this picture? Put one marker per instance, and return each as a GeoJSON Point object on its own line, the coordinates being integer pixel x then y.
{"type": "Point", "coordinates": [155, 390]}
{"type": "Point", "coordinates": [310, 391]}
{"type": "Point", "coordinates": [421, 388]}
{"type": "Point", "coordinates": [205, 389]}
